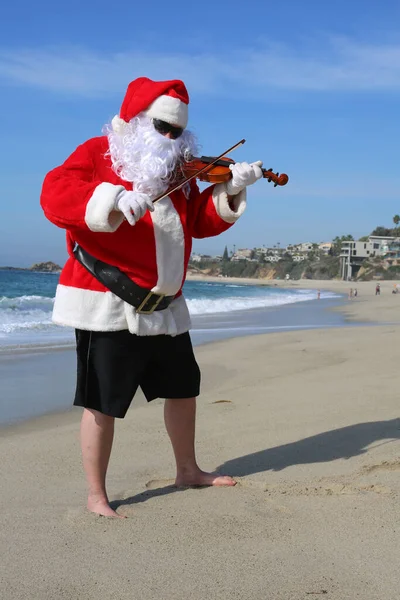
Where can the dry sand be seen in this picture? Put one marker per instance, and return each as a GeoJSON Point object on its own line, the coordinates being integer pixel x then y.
{"type": "Point", "coordinates": [308, 423]}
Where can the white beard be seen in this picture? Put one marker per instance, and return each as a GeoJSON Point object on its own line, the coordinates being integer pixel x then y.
{"type": "Point", "coordinates": [146, 158]}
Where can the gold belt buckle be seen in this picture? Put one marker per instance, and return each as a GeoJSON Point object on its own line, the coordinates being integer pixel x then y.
{"type": "Point", "coordinates": [144, 302]}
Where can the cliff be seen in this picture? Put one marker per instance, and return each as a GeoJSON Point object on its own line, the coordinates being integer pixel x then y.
{"type": "Point", "coordinates": [44, 267]}
{"type": "Point", "coordinates": [326, 267]}
{"type": "Point", "coordinates": [48, 267]}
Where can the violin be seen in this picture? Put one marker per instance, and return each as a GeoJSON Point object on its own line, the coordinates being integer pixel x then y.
{"type": "Point", "coordinates": [216, 170]}
{"type": "Point", "coordinates": [220, 171]}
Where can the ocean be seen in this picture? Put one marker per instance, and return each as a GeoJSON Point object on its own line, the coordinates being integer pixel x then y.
{"type": "Point", "coordinates": [26, 302]}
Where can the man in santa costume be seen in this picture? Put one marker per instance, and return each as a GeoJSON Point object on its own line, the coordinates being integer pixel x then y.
{"type": "Point", "coordinates": [121, 288]}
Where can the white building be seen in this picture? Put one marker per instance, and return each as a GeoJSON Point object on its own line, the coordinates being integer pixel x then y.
{"type": "Point", "coordinates": [244, 254]}
{"type": "Point", "coordinates": [381, 243]}
{"type": "Point", "coordinates": [352, 256]}
{"type": "Point", "coordinates": [299, 257]}
{"type": "Point", "coordinates": [325, 247]}
{"type": "Point", "coordinates": [272, 259]}
{"type": "Point", "coordinates": [269, 251]}
{"type": "Point", "coordinates": [302, 248]}
{"type": "Point", "coordinates": [354, 253]}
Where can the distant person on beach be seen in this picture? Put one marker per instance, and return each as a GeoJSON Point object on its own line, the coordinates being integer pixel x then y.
{"type": "Point", "coordinates": [355, 293]}
{"type": "Point", "coordinates": [121, 288]}
{"type": "Point", "coordinates": [350, 293]}
{"type": "Point", "coordinates": [378, 289]}
{"type": "Point", "coordinates": [318, 295]}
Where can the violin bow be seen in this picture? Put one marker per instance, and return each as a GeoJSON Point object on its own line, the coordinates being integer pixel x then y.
{"type": "Point", "coordinates": [199, 172]}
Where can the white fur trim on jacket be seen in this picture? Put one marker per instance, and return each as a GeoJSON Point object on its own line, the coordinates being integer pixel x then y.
{"type": "Point", "coordinates": [220, 199]}
{"type": "Point", "coordinates": [170, 247]}
{"type": "Point", "coordinates": [103, 311]}
{"type": "Point", "coordinates": [100, 210]}
{"type": "Point", "coordinates": [169, 109]}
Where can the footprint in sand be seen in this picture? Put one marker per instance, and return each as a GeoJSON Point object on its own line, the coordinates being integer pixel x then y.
{"type": "Point", "coordinates": [383, 466]}
{"type": "Point", "coordinates": [222, 402]}
{"type": "Point", "coordinates": [319, 489]}
{"type": "Point", "coordinates": [155, 484]}
{"type": "Point", "coordinates": [81, 517]}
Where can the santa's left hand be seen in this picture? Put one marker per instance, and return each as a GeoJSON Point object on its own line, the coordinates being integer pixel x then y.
{"type": "Point", "coordinates": [243, 174]}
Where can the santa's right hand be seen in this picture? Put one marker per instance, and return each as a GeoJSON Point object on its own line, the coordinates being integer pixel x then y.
{"type": "Point", "coordinates": [133, 205]}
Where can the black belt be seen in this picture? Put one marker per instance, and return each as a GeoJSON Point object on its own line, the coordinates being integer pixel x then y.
{"type": "Point", "coordinates": [145, 301]}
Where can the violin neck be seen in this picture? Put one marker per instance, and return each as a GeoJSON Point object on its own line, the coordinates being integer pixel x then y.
{"type": "Point", "coordinates": [267, 173]}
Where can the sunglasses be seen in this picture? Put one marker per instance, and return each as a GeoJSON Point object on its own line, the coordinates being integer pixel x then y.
{"type": "Point", "coordinates": [163, 127]}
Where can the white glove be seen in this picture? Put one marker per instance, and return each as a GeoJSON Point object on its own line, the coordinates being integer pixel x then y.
{"type": "Point", "coordinates": [133, 205]}
{"type": "Point", "coordinates": [243, 174]}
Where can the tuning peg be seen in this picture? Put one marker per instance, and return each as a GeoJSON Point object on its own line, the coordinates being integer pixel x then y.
{"type": "Point", "coordinates": [277, 174]}
{"type": "Point", "coordinates": [271, 169]}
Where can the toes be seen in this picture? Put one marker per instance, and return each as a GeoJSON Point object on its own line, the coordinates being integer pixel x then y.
{"type": "Point", "coordinates": [224, 481]}
{"type": "Point", "coordinates": [103, 510]}
{"type": "Point", "coordinates": [206, 479]}
{"type": "Point", "coordinates": [107, 513]}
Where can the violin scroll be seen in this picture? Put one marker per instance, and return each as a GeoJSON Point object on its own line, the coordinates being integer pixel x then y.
{"type": "Point", "coordinates": [281, 179]}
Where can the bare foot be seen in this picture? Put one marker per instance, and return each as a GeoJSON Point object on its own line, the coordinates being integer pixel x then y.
{"type": "Point", "coordinates": [200, 478]}
{"type": "Point", "coordinates": [100, 506]}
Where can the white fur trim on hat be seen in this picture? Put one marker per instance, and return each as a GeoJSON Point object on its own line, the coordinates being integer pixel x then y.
{"type": "Point", "coordinates": [118, 125]}
{"type": "Point", "coordinates": [169, 109]}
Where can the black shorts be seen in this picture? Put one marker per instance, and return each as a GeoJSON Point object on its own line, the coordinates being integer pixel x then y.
{"type": "Point", "coordinates": [113, 364]}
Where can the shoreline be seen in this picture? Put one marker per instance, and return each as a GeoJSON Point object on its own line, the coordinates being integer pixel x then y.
{"type": "Point", "coordinates": [57, 340]}
{"type": "Point", "coordinates": [46, 375]}
{"type": "Point", "coordinates": [357, 309]}
{"type": "Point", "coordinates": [19, 342]}
{"type": "Point", "coordinates": [25, 370]}
{"type": "Point", "coordinates": [309, 284]}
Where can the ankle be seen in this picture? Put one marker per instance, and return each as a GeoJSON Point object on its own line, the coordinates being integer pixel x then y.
{"type": "Point", "coordinates": [98, 497]}
{"type": "Point", "coordinates": [187, 469]}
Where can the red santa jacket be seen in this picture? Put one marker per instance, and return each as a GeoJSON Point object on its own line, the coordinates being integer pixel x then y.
{"type": "Point", "coordinates": [80, 195]}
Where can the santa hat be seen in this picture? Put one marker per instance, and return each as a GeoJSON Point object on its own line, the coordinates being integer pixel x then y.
{"type": "Point", "coordinates": [165, 100]}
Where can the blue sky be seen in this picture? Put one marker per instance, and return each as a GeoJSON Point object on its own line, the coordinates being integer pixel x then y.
{"type": "Point", "coordinates": [313, 86]}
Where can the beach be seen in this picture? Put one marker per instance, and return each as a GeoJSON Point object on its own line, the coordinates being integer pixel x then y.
{"type": "Point", "coordinates": [307, 421]}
